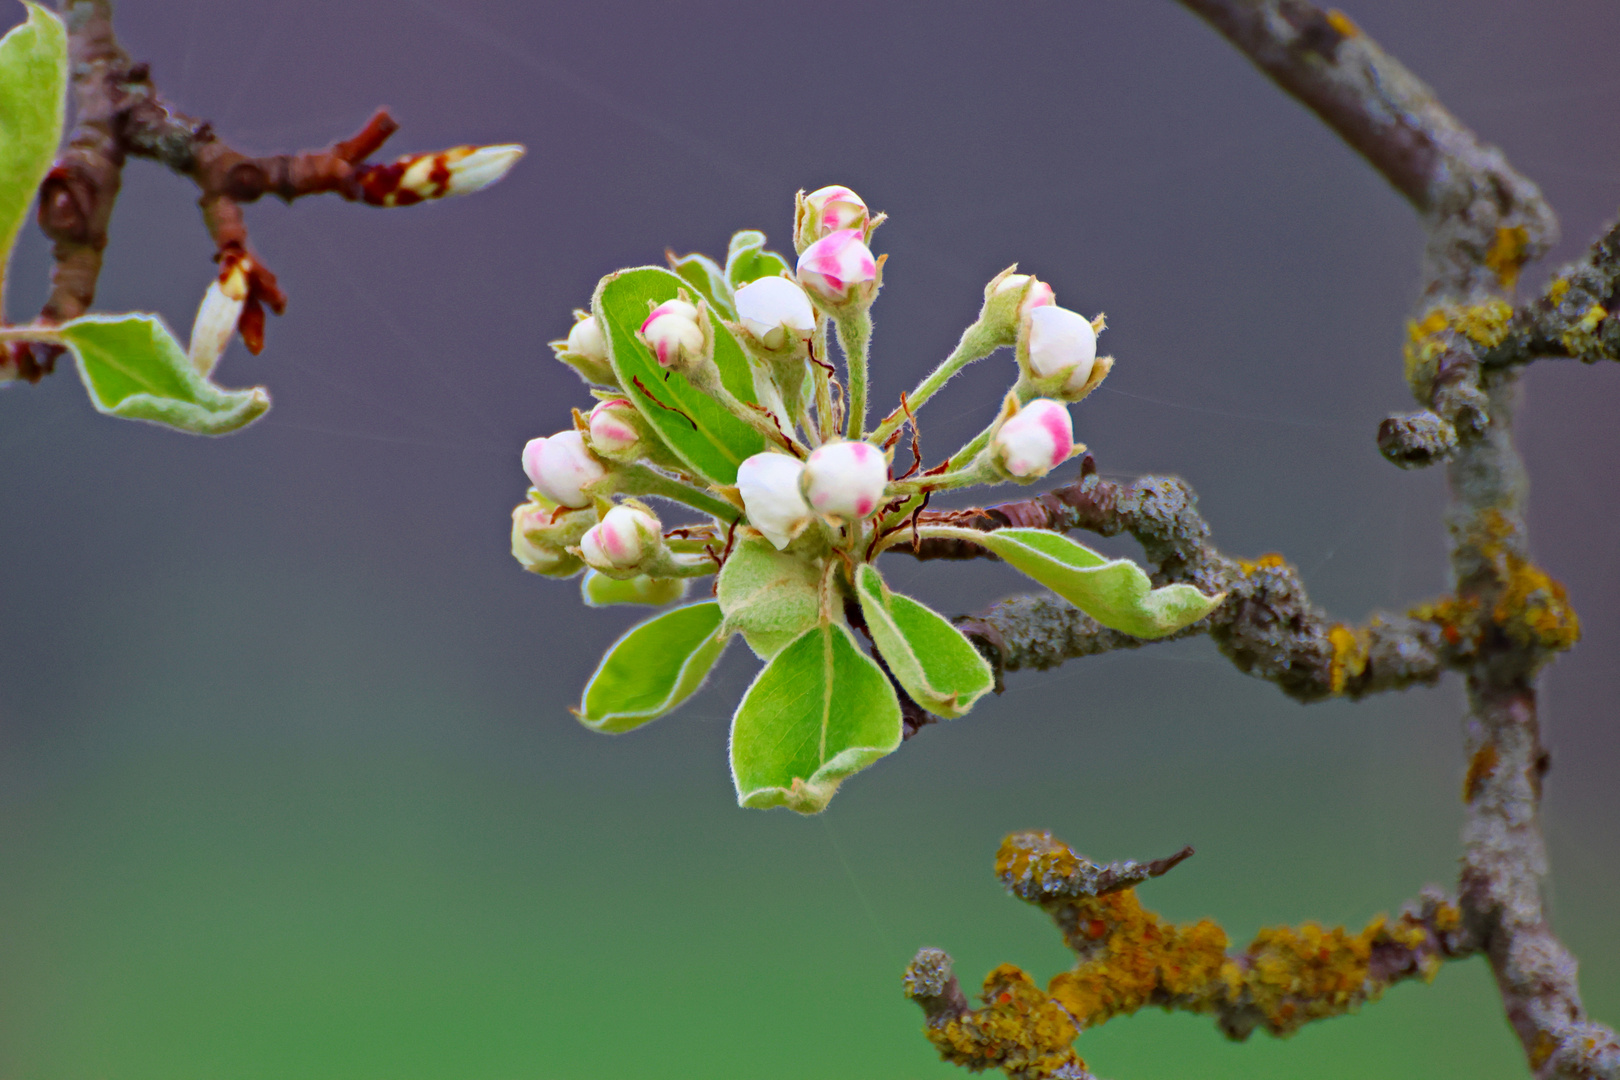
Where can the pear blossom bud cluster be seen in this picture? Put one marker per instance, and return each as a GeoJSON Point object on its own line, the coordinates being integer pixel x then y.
{"type": "Point", "coordinates": [561, 468]}
{"type": "Point", "coordinates": [775, 314]}
{"type": "Point", "coordinates": [623, 540]}
{"type": "Point", "coordinates": [839, 271]}
{"type": "Point", "coordinates": [674, 334]}
{"type": "Point", "coordinates": [1034, 441]}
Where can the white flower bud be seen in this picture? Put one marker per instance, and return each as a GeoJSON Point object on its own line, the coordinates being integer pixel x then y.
{"type": "Point", "coordinates": [673, 333]}
{"type": "Point", "coordinates": [560, 468]}
{"type": "Point", "coordinates": [615, 429]}
{"type": "Point", "coordinates": [217, 316]}
{"type": "Point", "coordinates": [539, 542]}
{"type": "Point", "coordinates": [775, 313]}
{"type": "Point", "coordinates": [622, 540]}
{"type": "Point", "coordinates": [1034, 441]}
{"type": "Point", "coordinates": [461, 170]}
{"type": "Point", "coordinates": [586, 340]}
{"type": "Point", "coordinates": [839, 270]}
{"type": "Point", "coordinates": [1059, 341]}
{"type": "Point", "coordinates": [831, 209]}
{"type": "Point", "coordinates": [845, 480]}
{"type": "Point", "coordinates": [1038, 294]}
{"type": "Point", "coordinates": [769, 485]}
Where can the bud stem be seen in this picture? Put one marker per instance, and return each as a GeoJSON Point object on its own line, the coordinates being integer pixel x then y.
{"type": "Point", "coordinates": [978, 341]}
{"type": "Point", "coordinates": [779, 431]}
{"type": "Point", "coordinates": [825, 428]}
{"type": "Point", "coordinates": [641, 480]}
{"type": "Point", "coordinates": [855, 337]}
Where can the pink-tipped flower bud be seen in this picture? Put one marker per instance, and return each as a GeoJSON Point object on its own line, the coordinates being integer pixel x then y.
{"type": "Point", "coordinates": [1034, 440]}
{"type": "Point", "coordinates": [1057, 341]}
{"type": "Point", "coordinates": [1036, 293]}
{"type": "Point", "coordinates": [839, 270]}
{"type": "Point", "coordinates": [561, 468]}
{"type": "Point", "coordinates": [775, 314]}
{"type": "Point", "coordinates": [540, 539]}
{"type": "Point", "coordinates": [1008, 300]}
{"type": "Point", "coordinates": [674, 334]}
{"type": "Point", "coordinates": [845, 480]}
{"type": "Point", "coordinates": [623, 540]}
{"type": "Point", "coordinates": [615, 429]}
{"type": "Point", "coordinates": [586, 340]}
{"type": "Point", "coordinates": [770, 488]}
{"type": "Point", "coordinates": [829, 210]}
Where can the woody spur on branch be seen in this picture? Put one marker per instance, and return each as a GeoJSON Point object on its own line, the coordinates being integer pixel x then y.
{"type": "Point", "coordinates": [716, 392]}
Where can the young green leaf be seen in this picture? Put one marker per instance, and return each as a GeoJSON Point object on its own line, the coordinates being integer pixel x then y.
{"type": "Point", "coordinates": [1115, 592]}
{"type": "Point", "coordinates": [705, 275]}
{"type": "Point", "coordinates": [939, 668]}
{"type": "Point", "coordinates": [33, 87]}
{"type": "Point", "coordinates": [769, 597]}
{"type": "Point", "coordinates": [747, 260]}
{"type": "Point", "coordinates": [599, 590]}
{"type": "Point", "coordinates": [653, 668]}
{"type": "Point", "coordinates": [133, 367]}
{"type": "Point", "coordinates": [702, 432]}
{"type": "Point", "coordinates": [821, 710]}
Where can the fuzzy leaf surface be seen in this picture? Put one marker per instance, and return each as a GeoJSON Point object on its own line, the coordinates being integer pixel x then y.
{"type": "Point", "coordinates": [821, 710]}
{"type": "Point", "coordinates": [704, 434]}
{"type": "Point", "coordinates": [654, 667]}
{"type": "Point", "coordinates": [747, 260]}
{"type": "Point", "coordinates": [599, 590]}
{"type": "Point", "coordinates": [33, 104]}
{"type": "Point", "coordinates": [1115, 592]}
{"type": "Point", "coordinates": [939, 668]}
{"type": "Point", "coordinates": [134, 368]}
{"type": "Point", "coordinates": [706, 276]}
{"type": "Point", "coordinates": [769, 597]}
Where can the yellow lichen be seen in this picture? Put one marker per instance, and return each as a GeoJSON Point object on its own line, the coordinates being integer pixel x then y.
{"type": "Point", "coordinates": [1020, 1029]}
{"type": "Point", "coordinates": [1557, 291]}
{"type": "Point", "coordinates": [1484, 325]}
{"type": "Point", "coordinates": [1581, 339]}
{"type": "Point", "coordinates": [1456, 617]}
{"type": "Point", "coordinates": [1341, 22]}
{"type": "Point", "coordinates": [1508, 252]}
{"type": "Point", "coordinates": [1533, 609]}
{"type": "Point", "coordinates": [1269, 561]}
{"type": "Point", "coordinates": [1350, 656]}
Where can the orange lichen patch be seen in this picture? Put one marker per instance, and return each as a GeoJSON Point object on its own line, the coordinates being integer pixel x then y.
{"type": "Point", "coordinates": [1533, 609]}
{"type": "Point", "coordinates": [1543, 1049]}
{"type": "Point", "coordinates": [1341, 22]}
{"type": "Point", "coordinates": [1019, 1029]}
{"type": "Point", "coordinates": [1481, 767]}
{"type": "Point", "coordinates": [1031, 862]}
{"type": "Point", "coordinates": [1350, 655]}
{"type": "Point", "coordinates": [1457, 617]}
{"type": "Point", "coordinates": [1269, 561]}
{"type": "Point", "coordinates": [1145, 960]}
{"type": "Point", "coordinates": [1581, 338]}
{"type": "Point", "coordinates": [1508, 252]}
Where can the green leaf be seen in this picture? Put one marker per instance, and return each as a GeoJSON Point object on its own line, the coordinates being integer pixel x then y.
{"type": "Point", "coordinates": [939, 668]}
{"type": "Point", "coordinates": [821, 710]}
{"type": "Point", "coordinates": [33, 101]}
{"type": "Point", "coordinates": [653, 668]}
{"type": "Point", "coordinates": [747, 260]}
{"type": "Point", "coordinates": [704, 434]}
{"type": "Point", "coordinates": [705, 275]}
{"type": "Point", "coordinates": [599, 590]}
{"type": "Point", "coordinates": [769, 597]}
{"type": "Point", "coordinates": [133, 367]}
{"type": "Point", "coordinates": [1115, 592]}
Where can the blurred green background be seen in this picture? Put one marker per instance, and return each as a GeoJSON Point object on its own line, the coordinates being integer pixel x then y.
{"type": "Point", "coordinates": [288, 785]}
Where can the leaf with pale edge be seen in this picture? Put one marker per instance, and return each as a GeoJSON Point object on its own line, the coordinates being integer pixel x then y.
{"type": "Point", "coordinates": [705, 275]}
{"type": "Point", "coordinates": [702, 432]}
{"type": "Point", "coordinates": [599, 590]}
{"type": "Point", "coordinates": [653, 668]}
{"type": "Point", "coordinates": [33, 88]}
{"type": "Point", "coordinates": [747, 260]}
{"type": "Point", "coordinates": [133, 367]}
{"type": "Point", "coordinates": [938, 667]}
{"type": "Point", "coordinates": [769, 597]}
{"type": "Point", "coordinates": [821, 710]}
{"type": "Point", "coordinates": [1115, 592]}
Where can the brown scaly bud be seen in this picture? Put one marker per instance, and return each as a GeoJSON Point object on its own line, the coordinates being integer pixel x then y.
{"type": "Point", "coordinates": [245, 280]}
{"type": "Point", "coordinates": [417, 177]}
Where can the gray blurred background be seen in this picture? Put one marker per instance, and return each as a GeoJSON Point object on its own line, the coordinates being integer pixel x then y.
{"type": "Point", "coordinates": [288, 785]}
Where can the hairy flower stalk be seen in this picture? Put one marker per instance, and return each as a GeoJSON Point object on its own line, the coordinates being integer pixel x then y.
{"type": "Point", "coordinates": [741, 419]}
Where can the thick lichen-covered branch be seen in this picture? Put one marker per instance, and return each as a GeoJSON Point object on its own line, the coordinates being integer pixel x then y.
{"type": "Point", "coordinates": [1130, 958]}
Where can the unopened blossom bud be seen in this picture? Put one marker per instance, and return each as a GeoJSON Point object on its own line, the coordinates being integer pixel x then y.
{"type": "Point", "coordinates": [460, 170]}
{"type": "Point", "coordinates": [561, 468]}
{"type": "Point", "coordinates": [216, 321]}
{"type": "Point", "coordinates": [1008, 301]}
{"type": "Point", "coordinates": [1033, 441]}
{"type": "Point", "coordinates": [674, 333]}
{"type": "Point", "coordinates": [624, 539]}
{"type": "Point", "coordinates": [829, 210]}
{"type": "Point", "coordinates": [615, 429]}
{"type": "Point", "coordinates": [539, 541]}
{"type": "Point", "coordinates": [586, 340]}
{"type": "Point", "coordinates": [585, 350]}
{"type": "Point", "coordinates": [770, 488]}
{"type": "Point", "coordinates": [1058, 342]}
{"type": "Point", "coordinates": [845, 480]}
{"type": "Point", "coordinates": [839, 270]}
{"type": "Point", "coordinates": [775, 313]}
